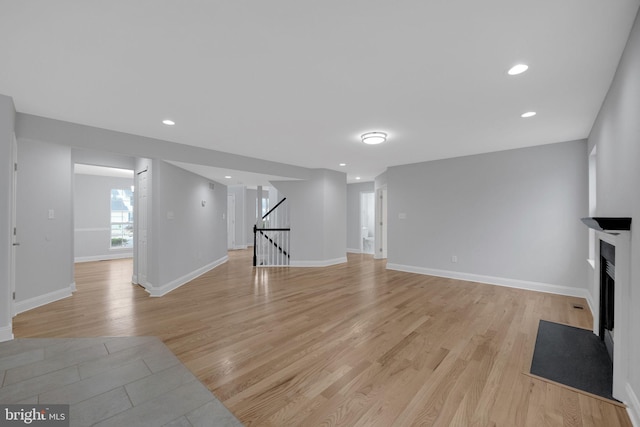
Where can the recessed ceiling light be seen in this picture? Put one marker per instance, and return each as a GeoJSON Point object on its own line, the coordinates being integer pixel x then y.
{"type": "Point", "coordinates": [168, 122]}
{"type": "Point", "coordinates": [373, 138]}
{"type": "Point", "coordinates": [227, 176]}
{"type": "Point", "coordinates": [357, 178]}
{"type": "Point", "coordinates": [528, 114]}
{"type": "Point", "coordinates": [517, 69]}
{"type": "Point", "coordinates": [342, 164]}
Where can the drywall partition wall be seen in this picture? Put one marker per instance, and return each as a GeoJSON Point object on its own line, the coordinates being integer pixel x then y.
{"type": "Point", "coordinates": [7, 120]}
{"type": "Point", "coordinates": [189, 227]}
{"type": "Point", "coordinates": [616, 136]}
{"type": "Point", "coordinates": [251, 198]}
{"type": "Point", "coordinates": [318, 217]}
{"type": "Point", "coordinates": [92, 138]}
{"type": "Point", "coordinates": [44, 261]}
{"type": "Point", "coordinates": [102, 158]}
{"type": "Point", "coordinates": [511, 217]}
{"type": "Point", "coordinates": [238, 192]}
{"type": "Point", "coordinates": [92, 217]}
{"type": "Point", "coordinates": [354, 234]}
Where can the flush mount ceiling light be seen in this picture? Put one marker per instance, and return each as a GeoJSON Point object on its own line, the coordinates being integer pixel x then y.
{"type": "Point", "coordinates": [358, 178]}
{"type": "Point", "coordinates": [168, 122]}
{"type": "Point", "coordinates": [528, 114]}
{"type": "Point", "coordinates": [517, 69]}
{"type": "Point", "coordinates": [373, 138]}
{"type": "Point", "coordinates": [227, 176]}
{"type": "Point", "coordinates": [342, 164]}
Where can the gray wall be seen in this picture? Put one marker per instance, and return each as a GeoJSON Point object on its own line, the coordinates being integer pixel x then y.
{"type": "Point", "coordinates": [318, 216]}
{"type": "Point", "coordinates": [187, 236]}
{"type": "Point", "coordinates": [92, 217]}
{"type": "Point", "coordinates": [7, 120]}
{"type": "Point", "coordinates": [513, 215]}
{"type": "Point", "coordinates": [44, 264]}
{"type": "Point", "coordinates": [353, 213]}
{"type": "Point", "coordinates": [239, 192]}
{"type": "Point", "coordinates": [250, 214]}
{"type": "Point", "coordinates": [616, 134]}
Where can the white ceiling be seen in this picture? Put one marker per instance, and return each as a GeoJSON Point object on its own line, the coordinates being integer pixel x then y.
{"type": "Point", "coordinates": [297, 82]}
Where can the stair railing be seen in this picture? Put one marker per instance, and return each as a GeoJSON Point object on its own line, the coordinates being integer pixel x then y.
{"type": "Point", "coordinates": [271, 240]}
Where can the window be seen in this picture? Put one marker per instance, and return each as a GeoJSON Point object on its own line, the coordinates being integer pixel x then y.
{"type": "Point", "coordinates": [121, 218]}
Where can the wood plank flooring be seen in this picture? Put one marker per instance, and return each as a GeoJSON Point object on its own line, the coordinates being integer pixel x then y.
{"type": "Point", "coordinates": [349, 345]}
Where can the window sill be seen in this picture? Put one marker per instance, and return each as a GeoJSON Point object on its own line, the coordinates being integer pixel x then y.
{"type": "Point", "coordinates": [592, 263]}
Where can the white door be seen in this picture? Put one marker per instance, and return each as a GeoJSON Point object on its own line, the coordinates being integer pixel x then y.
{"type": "Point", "coordinates": [142, 217]}
{"type": "Point", "coordinates": [14, 231]}
{"type": "Point", "coordinates": [231, 221]}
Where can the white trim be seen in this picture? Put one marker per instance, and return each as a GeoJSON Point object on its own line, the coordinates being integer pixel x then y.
{"type": "Point", "coordinates": [354, 251]}
{"type": "Point", "coordinates": [633, 406]}
{"type": "Point", "coordinates": [155, 291]}
{"type": "Point", "coordinates": [238, 248]}
{"type": "Point", "coordinates": [491, 280]}
{"type": "Point", "coordinates": [41, 300]}
{"type": "Point", "coordinates": [322, 263]}
{"type": "Point", "coordinates": [91, 229]}
{"type": "Point", "coordinates": [108, 257]}
{"type": "Point", "coordinates": [6, 333]}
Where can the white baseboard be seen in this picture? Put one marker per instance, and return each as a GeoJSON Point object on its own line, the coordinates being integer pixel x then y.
{"type": "Point", "coordinates": [6, 333]}
{"type": "Point", "coordinates": [239, 247]}
{"type": "Point", "coordinates": [499, 281]}
{"type": "Point", "coordinates": [158, 291]}
{"type": "Point", "coordinates": [322, 263]}
{"type": "Point", "coordinates": [103, 257]}
{"type": "Point", "coordinates": [353, 251]}
{"type": "Point", "coordinates": [633, 406]}
{"type": "Point", "coordinates": [41, 300]}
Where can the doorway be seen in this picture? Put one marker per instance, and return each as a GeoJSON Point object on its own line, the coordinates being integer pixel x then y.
{"type": "Point", "coordinates": [381, 226]}
{"type": "Point", "coordinates": [367, 222]}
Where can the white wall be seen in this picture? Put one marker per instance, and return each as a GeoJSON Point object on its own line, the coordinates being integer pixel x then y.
{"type": "Point", "coordinates": [353, 214]}
{"type": "Point", "coordinates": [92, 217]}
{"type": "Point", "coordinates": [511, 217]}
{"type": "Point", "coordinates": [318, 217]}
{"type": "Point", "coordinates": [188, 238]}
{"type": "Point", "coordinates": [616, 134]}
{"type": "Point", "coordinates": [241, 232]}
{"type": "Point", "coordinates": [44, 263]}
{"type": "Point", "coordinates": [7, 120]}
{"type": "Point", "coordinates": [250, 214]}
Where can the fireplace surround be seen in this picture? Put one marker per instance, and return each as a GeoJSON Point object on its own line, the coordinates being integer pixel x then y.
{"type": "Point", "coordinates": [616, 233]}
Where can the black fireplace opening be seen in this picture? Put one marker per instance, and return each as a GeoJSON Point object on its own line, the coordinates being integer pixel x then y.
{"type": "Point", "coordinates": [607, 293]}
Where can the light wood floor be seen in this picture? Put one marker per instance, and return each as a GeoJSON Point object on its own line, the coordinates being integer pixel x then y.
{"type": "Point", "coordinates": [350, 345]}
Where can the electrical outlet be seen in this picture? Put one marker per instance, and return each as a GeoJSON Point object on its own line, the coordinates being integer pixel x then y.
{"type": "Point", "coordinates": [454, 258]}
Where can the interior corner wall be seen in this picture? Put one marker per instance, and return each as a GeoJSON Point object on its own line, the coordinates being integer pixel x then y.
{"type": "Point", "coordinates": [188, 226]}
{"type": "Point", "coordinates": [92, 217]}
{"type": "Point", "coordinates": [251, 197]}
{"type": "Point", "coordinates": [44, 209]}
{"type": "Point", "coordinates": [7, 127]}
{"type": "Point", "coordinates": [510, 217]}
{"type": "Point", "coordinates": [353, 214]}
{"type": "Point", "coordinates": [616, 136]}
{"type": "Point", "coordinates": [240, 238]}
{"type": "Point", "coordinates": [318, 217]}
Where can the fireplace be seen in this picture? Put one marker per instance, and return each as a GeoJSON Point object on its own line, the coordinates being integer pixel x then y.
{"type": "Point", "coordinates": [607, 294]}
{"type": "Point", "coordinates": [610, 290]}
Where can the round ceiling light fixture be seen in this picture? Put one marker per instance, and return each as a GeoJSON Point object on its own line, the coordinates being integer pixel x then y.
{"type": "Point", "coordinates": [373, 138]}
{"type": "Point", "coordinates": [168, 122]}
{"type": "Point", "coordinates": [528, 114]}
{"type": "Point", "coordinates": [517, 69]}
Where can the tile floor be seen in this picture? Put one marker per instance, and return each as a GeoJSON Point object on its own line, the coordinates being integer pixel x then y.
{"type": "Point", "coordinates": [108, 381]}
